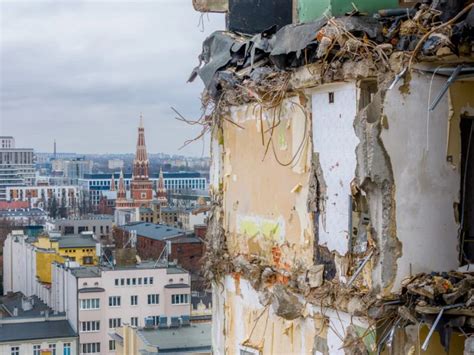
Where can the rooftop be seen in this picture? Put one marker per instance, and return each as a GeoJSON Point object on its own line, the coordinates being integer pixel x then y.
{"type": "Point", "coordinates": [10, 301]}
{"type": "Point", "coordinates": [76, 241]}
{"type": "Point", "coordinates": [48, 329]}
{"type": "Point", "coordinates": [96, 271]}
{"type": "Point", "coordinates": [195, 337]}
{"type": "Point", "coordinates": [153, 231]}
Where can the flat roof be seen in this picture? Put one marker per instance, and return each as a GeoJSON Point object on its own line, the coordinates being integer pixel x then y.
{"type": "Point", "coordinates": [14, 300]}
{"type": "Point", "coordinates": [153, 231]}
{"type": "Point", "coordinates": [48, 329]}
{"type": "Point", "coordinates": [195, 337]}
{"type": "Point", "coordinates": [76, 241]}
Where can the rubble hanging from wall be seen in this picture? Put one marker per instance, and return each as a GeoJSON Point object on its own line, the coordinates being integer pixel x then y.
{"type": "Point", "coordinates": [267, 68]}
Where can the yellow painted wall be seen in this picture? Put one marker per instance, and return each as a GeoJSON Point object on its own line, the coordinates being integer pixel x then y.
{"type": "Point", "coordinates": [79, 254]}
{"type": "Point", "coordinates": [43, 264]}
{"type": "Point", "coordinates": [48, 252]}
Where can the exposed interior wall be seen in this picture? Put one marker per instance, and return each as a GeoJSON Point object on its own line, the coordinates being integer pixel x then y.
{"type": "Point", "coordinates": [252, 324]}
{"type": "Point", "coordinates": [265, 203]}
{"type": "Point", "coordinates": [426, 184]}
{"type": "Point", "coordinates": [335, 142]}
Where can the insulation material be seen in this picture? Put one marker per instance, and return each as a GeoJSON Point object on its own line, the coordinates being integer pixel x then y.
{"type": "Point", "coordinates": [268, 211]}
{"type": "Point", "coordinates": [426, 225]}
{"type": "Point", "coordinates": [335, 142]}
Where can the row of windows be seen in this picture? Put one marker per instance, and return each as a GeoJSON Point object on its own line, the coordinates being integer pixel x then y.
{"type": "Point", "coordinates": [134, 281]}
{"type": "Point", "coordinates": [116, 301]}
{"type": "Point", "coordinates": [115, 322]}
{"type": "Point", "coordinates": [91, 303]}
{"type": "Point", "coordinates": [15, 350]}
{"type": "Point", "coordinates": [90, 326]}
{"type": "Point", "coordinates": [83, 250]}
{"type": "Point", "coordinates": [179, 299]}
{"type": "Point", "coordinates": [154, 299]}
{"type": "Point", "coordinates": [90, 348]}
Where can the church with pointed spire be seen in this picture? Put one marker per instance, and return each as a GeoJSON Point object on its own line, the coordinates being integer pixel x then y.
{"type": "Point", "coordinates": [141, 187]}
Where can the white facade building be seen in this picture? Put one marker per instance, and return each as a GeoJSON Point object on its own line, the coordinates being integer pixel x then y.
{"type": "Point", "coordinates": [96, 300]}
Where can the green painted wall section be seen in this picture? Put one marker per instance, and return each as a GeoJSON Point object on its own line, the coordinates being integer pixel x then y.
{"type": "Point", "coordinates": [310, 10]}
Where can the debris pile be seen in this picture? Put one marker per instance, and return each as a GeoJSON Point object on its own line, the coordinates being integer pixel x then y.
{"type": "Point", "coordinates": [231, 60]}
{"type": "Point", "coordinates": [444, 300]}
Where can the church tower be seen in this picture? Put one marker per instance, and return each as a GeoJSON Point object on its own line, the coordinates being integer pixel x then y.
{"type": "Point", "coordinates": [161, 191]}
{"type": "Point", "coordinates": [141, 186]}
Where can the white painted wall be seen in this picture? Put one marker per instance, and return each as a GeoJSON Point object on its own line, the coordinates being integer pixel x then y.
{"type": "Point", "coordinates": [426, 184]}
{"type": "Point", "coordinates": [335, 141]}
{"type": "Point", "coordinates": [26, 348]}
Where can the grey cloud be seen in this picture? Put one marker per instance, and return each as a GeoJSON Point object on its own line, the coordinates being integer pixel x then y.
{"type": "Point", "coordinates": [82, 73]}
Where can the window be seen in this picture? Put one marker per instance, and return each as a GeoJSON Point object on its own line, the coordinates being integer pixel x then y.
{"type": "Point", "coordinates": [179, 299]}
{"type": "Point", "coordinates": [139, 280]}
{"type": "Point", "coordinates": [67, 349]}
{"type": "Point", "coordinates": [114, 301]}
{"type": "Point", "coordinates": [90, 348]}
{"type": "Point", "coordinates": [134, 321]}
{"type": "Point", "coordinates": [87, 260]}
{"type": "Point", "coordinates": [90, 326]}
{"type": "Point", "coordinates": [122, 282]}
{"type": "Point", "coordinates": [15, 350]}
{"type": "Point", "coordinates": [134, 281]}
{"type": "Point", "coordinates": [111, 344]}
{"type": "Point", "coordinates": [36, 349]}
{"type": "Point", "coordinates": [115, 322]}
{"type": "Point", "coordinates": [145, 281]}
{"type": "Point", "coordinates": [52, 348]}
{"type": "Point", "coordinates": [154, 299]}
{"type": "Point", "coordinates": [331, 97]}
{"type": "Point", "coordinates": [128, 282]}
{"type": "Point", "coordinates": [116, 282]}
{"type": "Point", "coordinates": [134, 300]}
{"type": "Point", "coordinates": [156, 320]}
{"type": "Point", "coordinates": [91, 303]}
{"type": "Point", "coordinates": [151, 280]}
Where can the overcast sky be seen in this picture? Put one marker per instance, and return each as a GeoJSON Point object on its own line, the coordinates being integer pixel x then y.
{"type": "Point", "coordinates": [81, 72]}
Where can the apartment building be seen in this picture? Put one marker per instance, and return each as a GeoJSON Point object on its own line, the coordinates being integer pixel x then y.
{"type": "Point", "coordinates": [16, 166]}
{"type": "Point", "coordinates": [40, 196]}
{"type": "Point", "coordinates": [108, 298]}
{"type": "Point", "coordinates": [29, 327]}
{"type": "Point", "coordinates": [97, 299]}
{"type": "Point", "coordinates": [97, 224]}
{"type": "Point", "coordinates": [341, 177]}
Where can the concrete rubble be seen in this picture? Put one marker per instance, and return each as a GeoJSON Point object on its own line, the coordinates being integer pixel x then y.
{"type": "Point", "coordinates": [332, 228]}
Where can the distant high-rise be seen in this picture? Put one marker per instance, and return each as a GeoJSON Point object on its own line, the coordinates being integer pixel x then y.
{"type": "Point", "coordinates": [16, 165]}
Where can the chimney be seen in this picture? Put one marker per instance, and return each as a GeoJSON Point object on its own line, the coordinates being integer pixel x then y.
{"type": "Point", "coordinates": [26, 304]}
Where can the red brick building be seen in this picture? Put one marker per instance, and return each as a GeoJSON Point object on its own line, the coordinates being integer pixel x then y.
{"type": "Point", "coordinates": [151, 239]}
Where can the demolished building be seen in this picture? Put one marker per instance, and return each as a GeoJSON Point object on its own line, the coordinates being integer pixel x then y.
{"type": "Point", "coordinates": [342, 181]}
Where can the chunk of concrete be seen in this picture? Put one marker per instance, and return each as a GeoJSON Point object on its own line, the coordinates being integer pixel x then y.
{"type": "Point", "coordinates": [315, 276]}
{"type": "Point", "coordinates": [211, 5]}
{"type": "Point", "coordinates": [286, 304]}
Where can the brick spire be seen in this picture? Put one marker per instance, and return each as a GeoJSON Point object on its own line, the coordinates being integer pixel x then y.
{"type": "Point", "coordinates": [161, 190]}
{"type": "Point", "coordinates": [112, 183]}
{"type": "Point", "coordinates": [140, 163]}
{"type": "Point", "coordinates": [121, 193]}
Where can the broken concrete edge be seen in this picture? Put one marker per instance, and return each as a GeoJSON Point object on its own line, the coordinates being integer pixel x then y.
{"type": "Point", "coordinates": [374, 177]}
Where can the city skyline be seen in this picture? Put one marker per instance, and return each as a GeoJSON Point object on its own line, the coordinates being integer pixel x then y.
{"type": "Point", "coordinates": [64, 60]}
